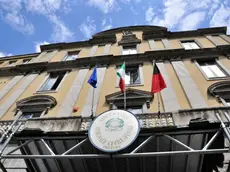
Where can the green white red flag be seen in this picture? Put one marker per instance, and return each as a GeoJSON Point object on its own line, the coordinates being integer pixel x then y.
{"type": "Point", "coordinates": [121, 74]}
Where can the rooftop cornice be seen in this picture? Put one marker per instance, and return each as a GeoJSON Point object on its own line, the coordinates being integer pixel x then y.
{"type": "Point", "coordinates": [22, 56]}
{"type": "Point", "coordinates": [183, 34]}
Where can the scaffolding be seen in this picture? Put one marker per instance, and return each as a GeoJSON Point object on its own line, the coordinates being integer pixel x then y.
{"type": "Point", "coordinates": [47, 150]}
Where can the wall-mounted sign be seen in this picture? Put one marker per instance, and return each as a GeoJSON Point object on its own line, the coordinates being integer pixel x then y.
{"type": "Point", "coordinates": [114, 130]}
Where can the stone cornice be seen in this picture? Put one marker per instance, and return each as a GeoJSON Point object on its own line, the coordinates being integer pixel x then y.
{"type": "Point", "coordinates": [22, 56]}
{"type": "Point", "coordinates": [167, 34]}
{"type": "Point", "coordinates": [95, 40]}
{"type": "Point", "coordinates": [149, 56]}
{"type": "Point", "coordinates": [149, 32]}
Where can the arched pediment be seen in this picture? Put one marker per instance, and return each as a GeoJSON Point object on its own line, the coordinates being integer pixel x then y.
{"type": "Point", "coordinates": [131, 28]}
{"type": "Point", "coordinates": [220, 89]}
{"type": "Point", "coordinates": [38, 100]}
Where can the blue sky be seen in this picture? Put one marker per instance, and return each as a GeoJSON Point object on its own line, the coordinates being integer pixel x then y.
{"type": "Point", "coordinates": [25, 24]}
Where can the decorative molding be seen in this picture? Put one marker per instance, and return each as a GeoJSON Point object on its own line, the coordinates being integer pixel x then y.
{"type": "Point", "coordinates": [35, 101]}
{"type": "Point", "coordinates": [128, 39]}
{"type": "Point", "coordinates": [220, 90]}
{"type": "Point", "coordinates": [58, 125]}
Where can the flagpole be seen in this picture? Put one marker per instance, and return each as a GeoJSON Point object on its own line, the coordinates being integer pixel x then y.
{"type": "Point", "coordinates": [92, 114]}
{"type": "Point", "coordinates": [158, 102]}
{"type": "Point", "coordinates": [125, 95]}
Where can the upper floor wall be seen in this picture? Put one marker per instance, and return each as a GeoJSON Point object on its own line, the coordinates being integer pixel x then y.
{"type": "Point", "coordinates": [190, 64]}
{"type": "Point", "coordinates": [123, 41]}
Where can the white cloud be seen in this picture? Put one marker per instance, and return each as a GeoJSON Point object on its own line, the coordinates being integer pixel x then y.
{"type": "Point", "coordinates": [12, 13]}
{"type": "Point", "coordinates": [38, 44]}
{"type": "Point", "coordinates": [88, 27]}
{"type": "Point", "coordinates": [20, 23]}
{"type": "Point", "coordinates": [106, 24]}
{"type": "Point", "coordinates": [49, 8]}
{"type": "Point", "coordinates": [3, 54]}
{"type": "Point", "coordinates": [214, 6]}
{"type": "Point", "coordinates": [46, 7]}
{"type": "Point", "coordinates": [186, 14]}
{"type": "Point", "coordinates": [191, 21]}
{"type": "Point", "coordinates": [149, 14]}
{"type": "Point", "coordinates": [173, 12]}
{"type": "Point", "coordinates": [221, 18]}
{"type": "Point", "coordinates": [60, 30]}
{"type": "Point", "coordinates": [105, 6]}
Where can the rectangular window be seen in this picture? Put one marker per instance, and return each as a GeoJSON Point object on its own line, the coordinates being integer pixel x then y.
{"type": "Point", "coordinates": [132, 75]}
{"type": "Point", "coordinates": [28, 115]}
{"type": "Point", "coordinates": [71, 56]}
{"type": "Point", "coordinates": [189, 45]}
{"type": "Point", "coordinates": [227, 101]}
{"type": "Point", "coordinates": [25, 61]}
{"type": "Point", "coordinates": [212, 69]}
{"type": "Point", "coordinates": [12, 63]}
{"type": "Point", "coordinates": [52, 82]}
{"type": "Point", "coordinates": [129, 50]}
{"type": "Point", "coordinates": [133, 109]}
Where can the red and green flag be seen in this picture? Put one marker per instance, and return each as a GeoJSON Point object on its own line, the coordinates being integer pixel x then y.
{"type": "Point", "coordinates": [158, 82]}
{"type": "Point", "coordinates": [121, 74]}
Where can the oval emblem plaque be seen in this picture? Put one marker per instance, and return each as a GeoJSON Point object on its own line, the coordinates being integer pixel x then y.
{"type": "Point", "coordinates": [114, 130]}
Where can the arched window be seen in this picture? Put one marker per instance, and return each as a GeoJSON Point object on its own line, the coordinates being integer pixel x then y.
{"type": "Point", "coordinates": [35, 106]}
{"type": "Point", "coordinates": [221, 90]}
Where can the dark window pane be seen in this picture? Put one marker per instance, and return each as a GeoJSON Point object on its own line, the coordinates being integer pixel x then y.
{"type": "Point", "coordinates": [53, 81]}
{"type": "Point", "coordinates": [28, 115]}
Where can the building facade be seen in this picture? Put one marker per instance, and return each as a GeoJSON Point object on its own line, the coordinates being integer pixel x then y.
{"type": "Point", "coordinates": [48, 94]}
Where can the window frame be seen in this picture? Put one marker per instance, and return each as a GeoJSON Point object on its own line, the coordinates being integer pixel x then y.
{"type": "Point", "coordinates": [38, 91]}
{"type": "Point", "coordinates": [123, 48]}
{"type": "Point", "coordinates": [26, 60]}
{"type": "Point", "coordinates": [12, 64]}
{"type": "Point", "coordinates": [190, 40]}
{"type": "Point", "coordinates": [143, 108]}
{"type": "Point", "coordinates": [69, 54]}
{"type": "Point", "coordinates": [225, 103]}
{"type": "Point", "coordinates": [219, 65]}
{"type": "Point", "coordinates": [141, 76]}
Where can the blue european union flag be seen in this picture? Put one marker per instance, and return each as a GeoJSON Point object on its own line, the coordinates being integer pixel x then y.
{"type": "Point", "coordinates": [93, 78]}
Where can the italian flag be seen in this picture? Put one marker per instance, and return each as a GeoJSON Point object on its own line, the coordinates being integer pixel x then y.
{"type": "Point", "coordinates": [121, 74]}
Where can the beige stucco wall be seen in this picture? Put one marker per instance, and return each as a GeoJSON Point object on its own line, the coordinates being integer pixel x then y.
{"type": "Point", "coordinates": [220, 40]}
{"type": "Point", "coordinates": [83, 95]}
{"type": "Point", "coordinates": [100, 50]}
{"type": "Point", "coordinates": [4, 81]}
{"type": "Point", "coordinates": [175, 44]}
{"type": "Point", "coordinates": [225, 61]}
{"type": "Point", "coordinates": [159, 45]}
{"type": "Point", "coordinates": [144, 46]}
{"type": "Point", "coordinates": [9, 114]}
{"type": "Point", "coordinates": [205, 43]}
